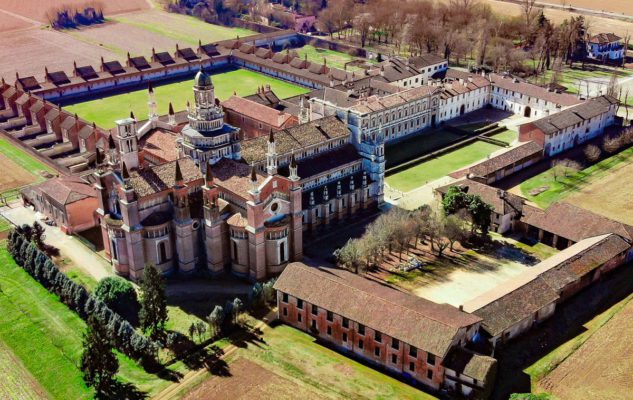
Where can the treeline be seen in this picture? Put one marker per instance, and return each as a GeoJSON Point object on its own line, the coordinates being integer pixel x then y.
{"type": "Point", "coordinates": [23, 245]}
{"type": "Point", "coordinates": [463, 31]}
{"type": "Point", "coordinates": [68, 16]}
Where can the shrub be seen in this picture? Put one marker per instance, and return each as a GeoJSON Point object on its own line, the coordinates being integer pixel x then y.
{"type": "Point", "coordinates": [118, 294]}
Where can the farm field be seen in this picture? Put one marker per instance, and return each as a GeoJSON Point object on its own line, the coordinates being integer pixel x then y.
{"type": "Point", "coordinates": [42, 332]}
{"type": "Point", "coordinates": [614, 6]}
{"type": "Point", "coordinates": [22, 169]}
{"type": "Point", "coordinates": [10, 22]}
{"type": "Point", "coordinates": [138, 33]}
{"type": "Point", "coordinates": [600, 365]}
{"type": "Point", "coordinates": [596, 187]}
{"type": "Point", "coordinates": [36, 9]}
{"type": "Point", "coordinates": [16, 382]}
{"type": "Point", "coordinates": [574, 79]}
{"type": "Point", "coordinates": [29, 51]}
{"type": "Point", "coordinates": [440, 166]}
{"type": "Point", "coordinates": [106, 110]}
{"type": "Point", "coordinates": [289, 364]}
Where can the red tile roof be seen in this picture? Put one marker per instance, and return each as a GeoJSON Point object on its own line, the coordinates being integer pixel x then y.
{"type": "Point", "coordinates": [257, 111]}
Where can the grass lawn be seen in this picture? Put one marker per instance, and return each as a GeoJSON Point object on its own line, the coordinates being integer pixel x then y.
{"type": "Point", "coordinates": [296, 356]}
{"type": "Point", "coordinates": [564, 186]}
{"type": "Point", "coordinates": [417, 146]}
{"type": "Point", "coordinates": [106, 110]}
{"type": "Point", "coordinates": [22, 158]}
{"type": "Point", "coordinates": [335, 59]}
{"type": "Point", "coordinates": [21, 168]}
{"type": "Point", "coordinates": [183, 28]}
{"type": "Point", "coordinates": [46, 337]}
{"type": "Point", "coordinates": [16, 382]}
{"type": "Point", "coordinates": [5, 225]}
{"type": "Point", "coordinates": [507, 136]}
{"type": "Point", "coordinates": [440, 166]}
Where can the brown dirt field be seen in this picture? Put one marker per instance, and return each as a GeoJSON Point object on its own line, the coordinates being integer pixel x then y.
{"type": "Point", "coordinates": [610, 196]}
{"type": "Point", "coordinates": [601, 367]}
{"type": "Point", "coordinates": [17, 177]}
{"type": "Point", "coordinates": [11, 23]}
{"type": "Point", "coordinates": [121, 38]}
{"type": "Point", "coordinates": [34, 8]}
{"type": "Point", "coordinates": [28, 51]}
{"type": "Point", "coordinates": [250, 381]}
{"type": "Point", "coordinates": [614, 6]}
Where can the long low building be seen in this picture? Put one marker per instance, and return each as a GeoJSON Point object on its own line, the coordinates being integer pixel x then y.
{"type": "Point", "coordinates": [571, 127]}
{"type": "Point", "coordinates": [405, 334]}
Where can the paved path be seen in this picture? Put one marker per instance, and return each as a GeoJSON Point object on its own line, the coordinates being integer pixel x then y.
{"type": "Point", "coordinates": [69, 246]}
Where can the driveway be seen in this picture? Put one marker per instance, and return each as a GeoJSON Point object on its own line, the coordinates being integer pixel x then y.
{"type": "Point", "coordinates": [69, 247]}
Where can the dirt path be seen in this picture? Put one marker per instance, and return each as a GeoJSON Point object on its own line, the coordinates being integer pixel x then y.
{"type": "Point", "coordinates": [171, 391]}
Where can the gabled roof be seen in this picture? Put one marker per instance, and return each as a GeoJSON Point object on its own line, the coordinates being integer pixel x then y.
{"type": "Point", "coordinates": [312, 166]}
{"type": "Point", "coordinates": [58, 78]}
{"type": "Point", "coordinates": [257, 111]}
{"type": "Point", "coordinates": [605, 38]}
{"type": "Point", "coordinates": [87, 73]}
{"type": "Point", "coordinates": [139, 63]}
{"type": "Point", "coordinates": [156, 179]}
{"type": "Point", "coordinates": [113, 67]}
{"type": "Point", "coordinates": [506, 159]}
{"type": "Point", "coordinates": [164, 58]}
{"type": "Point", "coordinates": [29, 83]}
{"type": "Point", "coordinates": [210, 49]}
{"type": "Point", "coordinates": [503, 202]}
{"type": "Point", "coordinates": [188, 54]}
{"type": "Point", "coordinates": [424, 324]}
{"type": "Point", "coordinates": [235, 177]}
{"type": "Point", "coordinates": [66, 190]}
{"type": "Point", "coordinates": [514, 84]}
{"type": "Point", "coordinates": [472, 365]}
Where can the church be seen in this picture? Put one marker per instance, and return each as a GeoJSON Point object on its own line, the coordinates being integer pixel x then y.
{"type": "Point", "coordinates": [225, 204]}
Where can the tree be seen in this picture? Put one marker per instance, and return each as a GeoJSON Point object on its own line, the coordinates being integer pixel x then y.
{"type": "Point", "coordinates": [454, 229]}
{"type": "Point", "coordinates": [153, 313]}
{"type": "Point", "coordinates": [611, 144]}
{"type": "Point", "coordinates": [238, 307]}
{"type": "Point", "coordinates": [215, 320]}
{"type": "Point", "coordinates": [455, 199]}
{"type": "Point", "coordinates": [118, 294]}
{"type": "Point", "coordinates": [481, 214]}
{"type": "Point", "coordinates": [613, 89]}
{"type": "Point", "coordinates": [99, 364]}
{"type": "Point", "coordinates": [592, 153]}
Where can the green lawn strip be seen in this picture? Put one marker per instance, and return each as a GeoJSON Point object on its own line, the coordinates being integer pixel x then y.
{"type": "Point", "coordinates": [5, 225]}
{"type": "Point", "coordinates": [418, 145]}
{"type": "Point", "coordinates": [294, 354]}
{"type": "Point", "coordinates": [553, 359]}
{"type": "Point", "coordinates": [77, 35]}
{"type": "Point", "coordinates": [564, 186]}
{"type": "Point", "coordinates": [17, 382]}
{"type": "Point", "coordinates": [538, 250]}
{"type": "Point", "coordinates": [334, 59]}
{"type": "Point", "coordinates": [212, 32]}
{"type": "Point", "coordinates": [47, 337]}
{"type": "Point", "coordinates": [507, 136]}
{"type": "Point", "coordinates": [440, 166]}
{"type": "Point", "coordinates": [22, 158]}
{"type": "Point", "coordinates": [106, 110]}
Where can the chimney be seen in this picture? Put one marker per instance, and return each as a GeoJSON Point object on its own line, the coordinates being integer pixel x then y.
{"type": "Point", "coordinates": [461, 307]}
{"type": "Point", "coordinates": [470, 78]}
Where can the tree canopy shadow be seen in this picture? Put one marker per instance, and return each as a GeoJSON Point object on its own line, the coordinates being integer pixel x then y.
{"type": "Point", "coordinates": [122, 390]}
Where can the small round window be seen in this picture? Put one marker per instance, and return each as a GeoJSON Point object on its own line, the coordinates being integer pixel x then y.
{"type": "Point", "coordinates": [195, 225]}
{"type": "Point", "coordinates": [274, 207]}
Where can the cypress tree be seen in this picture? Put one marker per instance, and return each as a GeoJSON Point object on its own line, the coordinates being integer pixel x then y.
{"type": "Point", "coordinates": [98, 361]}
{"type": "Point", "coordinates": [153, 313]}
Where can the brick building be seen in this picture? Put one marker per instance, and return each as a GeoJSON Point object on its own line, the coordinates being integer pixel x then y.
{"type": "Point", "coordinates": [255, 119]}
{"type": "Point", "coordinates": [402, 333]}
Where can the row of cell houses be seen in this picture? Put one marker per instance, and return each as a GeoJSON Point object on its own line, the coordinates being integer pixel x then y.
{"type": "Point", "coordinates": [605, 47]}
{"type": "Point", "coordinates": [532, 297]}
{"type": "Point", "coordinates": [571, 127]}
{"type": "Point", "coordinates": [87, 80]}
{"type": "Point", "coordinates": [409, 336]}
{"type": "Point", "coordinates": [45, 127]}
{"type": "Point", "coordinates": [410, 72]}
{"type": "Point", "coordinates": [520, 97]}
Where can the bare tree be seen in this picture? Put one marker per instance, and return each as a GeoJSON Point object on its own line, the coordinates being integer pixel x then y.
{"type": "Point", "coordinates": [592, 153]}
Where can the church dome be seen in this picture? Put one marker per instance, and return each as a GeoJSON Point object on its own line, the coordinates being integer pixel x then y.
{"type": "Point", "coordinates": [202, 79]}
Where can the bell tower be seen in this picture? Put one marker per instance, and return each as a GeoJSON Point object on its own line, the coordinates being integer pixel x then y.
{"type": "Point", "coordinates": [271, 155]}
{"type": "Point", "coordinates": [128, 142]}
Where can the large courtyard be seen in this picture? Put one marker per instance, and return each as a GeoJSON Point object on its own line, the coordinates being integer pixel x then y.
{"type": "Point", "coordinates": [106, 110]}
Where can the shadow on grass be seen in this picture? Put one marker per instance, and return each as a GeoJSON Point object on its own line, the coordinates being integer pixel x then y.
{"type": "Point", "coordinates": [122, 390]}
{"type": "Point", "coordinates": [566, 324]}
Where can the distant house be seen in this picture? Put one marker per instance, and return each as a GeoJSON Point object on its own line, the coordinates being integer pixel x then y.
{"type": "Point", "coordinates": [605, 47]}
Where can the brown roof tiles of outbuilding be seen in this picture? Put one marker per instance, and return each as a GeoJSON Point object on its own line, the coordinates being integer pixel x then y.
{"type": "Point", "coordinates": [152, 180]}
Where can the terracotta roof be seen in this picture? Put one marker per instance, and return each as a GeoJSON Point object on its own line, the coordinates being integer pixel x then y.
{"type": "Point", "coordinates": [509, 304]}
{"type": "Point", "coordinates": [66, 190]}
{"type": "Point", "coordinates": [210, 49]}
{"type": "Point", "coordinates": [502, 201]}
{"type": "Point", "coordinates": [237, 220]}
{"type": "Point", "coordinates": [506, 159]}
{"type": "Point", "coordinates": [68, 122]}
{"type": "Point", "coordinates": [575, 115]}
{"type": "Point", "coordinates": [85, 131]}
{"type": "Point", "coordinates": [156, 179]}
{"type": "Point", "coordinates": [520, 86]}
{"type": "Point", "coordinates": [580, 259]}
{"type": "Point", "coordinates": [573, 223]}
{"type": "Point", "coordinates": [235, 177]}
{"type": "Point", "coordinates": [605, 38]}
{"type": "Point", "coordinates": [428, 326]}
{"type": "Point", "coordinates": [161, 144]}
{"type": "Point", "coordinates": [257, 111]}
{"type": "Point", "coordinates": [476, 366]}
{"type": "Point", "coordinates": [295, 138]}
{"type": "Point", "coordinates": [374, 103]}
{"type": "Point", "coordinates": [333, 159]}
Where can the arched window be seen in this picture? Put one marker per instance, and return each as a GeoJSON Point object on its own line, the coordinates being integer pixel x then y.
{"type": "Point", "coordinates": [162, 252]}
